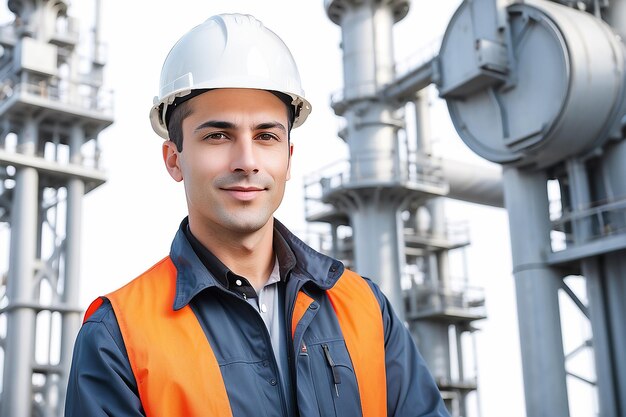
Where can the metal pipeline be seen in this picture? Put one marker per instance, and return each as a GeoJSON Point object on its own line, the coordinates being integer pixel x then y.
{"type": "Point", "coordinates": [474, 183]}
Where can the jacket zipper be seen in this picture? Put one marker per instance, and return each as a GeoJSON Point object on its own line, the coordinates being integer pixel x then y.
{"type": "Point", "coordinates": [333, 368]}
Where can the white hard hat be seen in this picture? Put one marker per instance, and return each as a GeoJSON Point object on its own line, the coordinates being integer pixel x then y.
{"type": "Point", "coordinates": [228, 51]}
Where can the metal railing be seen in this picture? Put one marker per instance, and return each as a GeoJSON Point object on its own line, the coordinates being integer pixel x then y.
{"type": "Point", "coordinates": [456, 234]}
{"type": "Point", "coordinates": [70, 93]}
{"type": "Point", "coordinates": [421, 297]}
{"type": "Point", "coordinates": [427, 298]}
{"type": "Point", "coordinates": [595, 223]}
{"type": "Point", "coordinates": [412, 168]}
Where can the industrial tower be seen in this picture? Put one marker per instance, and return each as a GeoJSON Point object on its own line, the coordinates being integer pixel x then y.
{"type": "Point", "coordinates": [537, 87]}
{"type": "Point", "coordinates": [52, 108]}
{"type": "Point", "coordinates": [375, 202]}
{"type": "Point", "coordinates": [540, 88]}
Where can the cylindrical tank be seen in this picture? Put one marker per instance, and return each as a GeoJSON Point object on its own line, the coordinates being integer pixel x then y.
{"type": "Point", "coordinates": [563, 92]}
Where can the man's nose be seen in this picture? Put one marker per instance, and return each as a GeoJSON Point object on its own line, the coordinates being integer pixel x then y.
{"type": "Point", "coordinates": [243, 158]}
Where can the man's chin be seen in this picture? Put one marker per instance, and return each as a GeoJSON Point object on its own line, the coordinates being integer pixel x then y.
{"type": "Point", "coordinates": [242, 225]}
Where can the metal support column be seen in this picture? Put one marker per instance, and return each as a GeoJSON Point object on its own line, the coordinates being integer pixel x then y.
{"type": "Point", "coordinates": [537, 285]}
{"type": "Point", "coordinates": [20, 340]}
{"type": "Point", "coordinates": [377, 248]}
{"type": "Point", "coordinates": [461, 371]}
{"type": "Point", "coordinates": [71, 287]}
{"type": "Point", "coordinates": [433, 336]}
{"type": "Point", "coordinates": [434, 339]}
{"type": "Point", "coordinates": [334, 240]}
{"type": "Point", "coordinates": [599, 316]}
{"type": "Point", "coordinates": [615, 285]}
{"type": "Point", "coordinates": [422, 122]}
{"type": "Point", "coordinates": [438, 229]}
{"type": "Point", "coordinates": [596, 289]}
{"type": "Point", "coordinates": [614, 177]}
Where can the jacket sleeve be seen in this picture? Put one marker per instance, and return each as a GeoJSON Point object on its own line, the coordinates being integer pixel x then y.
{"type": "Point", "coordinates": [101, 381]}
{"type": "Point", "coordinates": [411, 389]}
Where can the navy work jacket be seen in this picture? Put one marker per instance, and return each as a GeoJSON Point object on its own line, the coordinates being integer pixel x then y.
{"type": "Point", "coordinates": [102, 383]}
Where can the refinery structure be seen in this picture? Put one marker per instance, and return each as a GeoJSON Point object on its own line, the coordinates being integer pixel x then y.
{"type": "Point", "coordinates": [52, 108]}
{"type": "Point", "coordinates": [538, 87]}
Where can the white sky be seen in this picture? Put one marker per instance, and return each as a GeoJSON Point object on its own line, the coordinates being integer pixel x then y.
{"type": "Point", "coordinates": [129, 222]}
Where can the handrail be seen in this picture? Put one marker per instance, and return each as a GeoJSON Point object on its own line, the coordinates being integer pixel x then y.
{"type": "Point", "coordinates": [602, 220]}
{"type": "Point", "coordinates": [455, 232]}
{"type": "Point", "coordinates": [412, 167]}
{"type": "Point", "coordinates": [429, 296]}
{"type": "Point", "coordinates": [71, 93]}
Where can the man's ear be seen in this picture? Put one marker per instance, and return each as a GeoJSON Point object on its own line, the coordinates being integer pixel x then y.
{"type": "Point", "coordinates": [171, 157]}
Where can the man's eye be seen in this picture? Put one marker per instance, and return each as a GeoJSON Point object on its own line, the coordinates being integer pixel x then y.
{"type": "Point", "coordinates": [215, 136]}
{"type": "Point", "coordinates": [266, 136]}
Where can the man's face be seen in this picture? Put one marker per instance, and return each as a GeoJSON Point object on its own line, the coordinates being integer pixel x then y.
{"type": "Point", "coordinates": [235, 159]}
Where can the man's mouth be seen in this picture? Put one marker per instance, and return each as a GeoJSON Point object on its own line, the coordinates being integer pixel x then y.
{"type": "Point", "coordinates": [243, 193]}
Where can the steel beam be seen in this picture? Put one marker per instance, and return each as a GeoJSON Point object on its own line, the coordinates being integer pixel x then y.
{"type": "Point", "coordinates": [377, 233]}
{"type": "Point", "coordinates": [71, 320]}
{"type": "Point", "coordinates": [404, 88]}
{"type": "Point", "coordinates": [20, 339]}
{"type": "Point", "coordinates": [537, 286]}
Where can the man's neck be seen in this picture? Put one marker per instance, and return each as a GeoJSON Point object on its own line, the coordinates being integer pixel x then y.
{"type": "Point", "coordinates": [250, 255]}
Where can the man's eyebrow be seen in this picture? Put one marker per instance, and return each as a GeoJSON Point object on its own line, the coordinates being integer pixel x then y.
{"type": "Point", "coordinates": [218, 124]}
{"type": "Point", "coordinates": [271, 125]}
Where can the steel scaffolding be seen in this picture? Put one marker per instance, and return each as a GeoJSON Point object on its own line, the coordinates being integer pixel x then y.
{"type": "Point", "coordinates": [51, 112]}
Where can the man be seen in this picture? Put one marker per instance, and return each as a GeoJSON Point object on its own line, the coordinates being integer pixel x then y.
{"type": "Point", "coordinates": [242, 318]}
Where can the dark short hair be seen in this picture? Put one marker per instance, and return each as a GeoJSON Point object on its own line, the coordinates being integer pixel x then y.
{"type": "Point", "coordinates": [180, 110]}
{"type": "Point", "coordinates": [175, 124]}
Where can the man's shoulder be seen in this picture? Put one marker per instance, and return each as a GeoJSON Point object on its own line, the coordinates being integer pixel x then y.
{"type": "Point", "coordinates": [366, 282]}
{"type": "Point", "coordinates": [350, 274]}
{"type": "Point", "coordinates": [101, 333]}
{"type": "Point", "coordinates": [102, 313]}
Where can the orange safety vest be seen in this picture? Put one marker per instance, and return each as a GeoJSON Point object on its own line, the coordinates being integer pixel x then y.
{"type": "Point", "coordinates": [175, 373]}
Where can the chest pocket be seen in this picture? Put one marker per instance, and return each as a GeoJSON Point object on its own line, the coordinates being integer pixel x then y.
{"type": "Point", "coordinates": [334, 380]}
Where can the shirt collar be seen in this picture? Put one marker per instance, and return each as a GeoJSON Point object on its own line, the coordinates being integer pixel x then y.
{"type": "Point", "coordinates": [275, 275]}
{"type": "Point", "coordinates": [199, 269]}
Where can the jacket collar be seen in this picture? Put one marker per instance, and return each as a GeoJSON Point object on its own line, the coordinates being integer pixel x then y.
{"type": "Point", "coordinates": [315, 267]}
{"type": "Point", "coordinates": [193, 276]}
